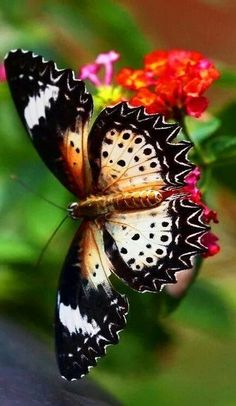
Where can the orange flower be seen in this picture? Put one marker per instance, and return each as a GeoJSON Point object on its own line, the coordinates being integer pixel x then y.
{"type": "Point", "coordinates": [156, 62]}
{"type": "Point", "coordinates": [150, 100]}
{"type": "Point", "coordinates": [134, 79]}
{"type": "Point", "coordinates": [170, 82]}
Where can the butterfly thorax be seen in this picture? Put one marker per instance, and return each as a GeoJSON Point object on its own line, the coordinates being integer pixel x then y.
{"type": "Point", "coordinates": [96, 205]}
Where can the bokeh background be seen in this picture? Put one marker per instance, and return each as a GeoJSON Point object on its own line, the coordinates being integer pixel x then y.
{"type": "Point", "coordinates": [189, 356]}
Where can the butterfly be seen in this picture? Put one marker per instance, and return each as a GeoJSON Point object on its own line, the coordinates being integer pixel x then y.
{"type": "Point", "coordinates": [127, 174]}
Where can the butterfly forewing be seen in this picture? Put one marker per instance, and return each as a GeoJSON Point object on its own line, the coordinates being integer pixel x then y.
{"type": "Point", "coordinates": [129, 149]}
{"type": "Point", "coordinates": [55, 109]}
{"type": "Point", "coordinates": [147, 247]}
{"type": "Point", "coordinates": [89, 312]}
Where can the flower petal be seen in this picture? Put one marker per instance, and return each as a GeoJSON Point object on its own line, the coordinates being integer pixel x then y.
{"type": "Point", "coordinates": [195, 106]}
{"type": "Point", "coordinates": [2, 73]}
{"type": "Point", "coordinates": [210, 241]}
{"type": "Point", "coordinates": [90, 72]}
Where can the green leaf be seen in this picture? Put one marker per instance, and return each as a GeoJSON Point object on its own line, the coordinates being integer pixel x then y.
{"type": "Point", "coordinates": [100, 25]}
{"type": "Point", "coordinates": [227, 78]}
{"type": "Point", "coordinates": [223, 174]}
{"type": "Point", "coordinates": [201, 130]}
{"type": "Point", "coordinates": [16, 251]}
{"type": "Point", "coordinates": [221, 149]}
{"type": "Point", "coordinates": [3, 91]}
{"type": "Point", "coordinates": [220, 146]}
{"type": "Point", "coordinates": [205, 308]}
{"type": "Point", "coordinates": [227, 117]}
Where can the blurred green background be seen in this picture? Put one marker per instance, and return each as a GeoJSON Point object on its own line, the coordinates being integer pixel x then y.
{"type": "Point", "coordinates": [190, 356]}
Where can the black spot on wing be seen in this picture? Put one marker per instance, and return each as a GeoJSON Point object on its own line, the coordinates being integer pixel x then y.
{"type": "Point", "coordinates": [158, 134]}
{"type": "Point", "coordinates": [187, 231]}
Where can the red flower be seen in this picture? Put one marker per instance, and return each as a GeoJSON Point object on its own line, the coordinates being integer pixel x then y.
{"type": "Point", "coordinates": [174, 80]}
{"type": "Point", "coordinates": [195, 106]}
{"type": "Point", "coordinates": [2, 73]}
{"type": "Point", "coordinates": [209, 240]}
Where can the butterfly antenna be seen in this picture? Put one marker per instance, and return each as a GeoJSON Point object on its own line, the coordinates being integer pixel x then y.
{"type": "Point", "coordinates": [39, 260]}
{"type": "Point", "coordinates": [25, 186]}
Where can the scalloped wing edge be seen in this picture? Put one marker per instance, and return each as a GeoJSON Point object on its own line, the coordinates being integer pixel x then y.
{"type": "Point", "coordinates": [174, 154]}
{"type": "Point", "coordinates": [189, 227]}
{"type": "Point", "coordinates": [113, 338]}
{"type": "Point", "coordinates": [71, 80]}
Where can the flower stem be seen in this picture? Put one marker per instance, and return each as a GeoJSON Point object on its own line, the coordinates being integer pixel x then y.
{"type": "Point", "coordinates": [180, 117]}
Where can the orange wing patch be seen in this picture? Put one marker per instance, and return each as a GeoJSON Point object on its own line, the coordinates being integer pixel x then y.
{"type": "Point", "coordinates": [94, 261]}
{"type": "Point", "coordinates": [74, 154]}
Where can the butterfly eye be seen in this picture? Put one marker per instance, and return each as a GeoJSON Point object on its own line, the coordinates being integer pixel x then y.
{"type": "Point", "coordinates": [73, 210]}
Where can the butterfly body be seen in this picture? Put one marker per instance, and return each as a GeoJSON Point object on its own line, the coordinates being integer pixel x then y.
{"type": "Point", "coordinates": [94, 206]}
{"type": "Point", "coordinates": [127, 174]}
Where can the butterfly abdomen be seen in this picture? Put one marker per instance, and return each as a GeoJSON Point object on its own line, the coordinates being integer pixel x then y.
{"type": "Point", "coordinates": [137, 200]}
{"type": "Point", "coordinates": [94, 206]}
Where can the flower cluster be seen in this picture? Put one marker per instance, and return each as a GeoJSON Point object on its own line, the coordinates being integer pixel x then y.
{"type": "Point", "coordinates": [209, 240]}
{"type": "Point", "coordinates": [171, 83]}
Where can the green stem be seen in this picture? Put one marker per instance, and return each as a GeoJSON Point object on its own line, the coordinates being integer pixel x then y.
{"type": "Point", "coordinates": [205, 179]}
{"type": "Point", "coordinates": [184, 128]}
{"type": "Point", "coordinates": [206, 173]}
{"type": "Point", "coordinates": [180, 117]}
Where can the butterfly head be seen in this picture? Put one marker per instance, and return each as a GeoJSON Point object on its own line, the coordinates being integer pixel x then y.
{"type": "Point", "coordinates": [89, 207]}
{"type": "Point", "coordinates": [72, 210]}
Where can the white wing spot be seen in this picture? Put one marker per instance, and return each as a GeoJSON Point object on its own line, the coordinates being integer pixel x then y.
{"type": "Point", "coordinates": [36, 107]}
{"type": "Point", "coordinates": [73, 320]}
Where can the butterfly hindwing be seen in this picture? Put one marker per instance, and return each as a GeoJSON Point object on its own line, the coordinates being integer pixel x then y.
{"type": "Point", "coordinates": [147, 247]}
{"type": "Point", "coordinates": [129, 149]}
{"type": "Point", "coordinates": [89, 313]}
{"type": "Point", "coordinates": [55, 109]}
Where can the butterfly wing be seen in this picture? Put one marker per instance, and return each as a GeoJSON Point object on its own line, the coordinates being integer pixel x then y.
{"type": "Point", "coordinates": [89, 313]}
{"type": "Point", "coordinates": [148, 247]}
{"type": "Point", "coordinates": [55, 109]}
{"type": "Point", "coordinates": [130, 149]}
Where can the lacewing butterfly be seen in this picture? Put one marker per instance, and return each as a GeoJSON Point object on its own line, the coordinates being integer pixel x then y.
{"type": "Point", "coordinates": [126, 174]}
